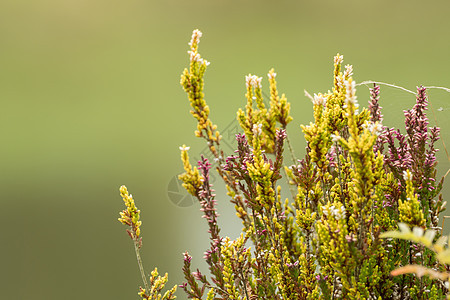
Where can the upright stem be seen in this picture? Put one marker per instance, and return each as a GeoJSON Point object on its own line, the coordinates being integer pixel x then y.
{"type": "Point", "coordinates": [325, 195]}
{"type": "Point", "coordinates": [338, 154]}
{"type": "Point", "coordinates": [294, 161]}
{"type": "Point", "coordinates": [291, 188]}
{"type": "Point", "coordinates": [141, 267]}
{"type": "Point", "coordinates": [291, 151]}
{"type": "Point", "coordinates": [244, 282]}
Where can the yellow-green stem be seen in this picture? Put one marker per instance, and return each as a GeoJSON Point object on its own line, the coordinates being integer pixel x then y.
{"type": "Point", "coordinates": [141, 267]}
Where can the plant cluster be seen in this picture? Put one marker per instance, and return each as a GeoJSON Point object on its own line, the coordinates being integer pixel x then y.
{"type": "Point", "coordinates": [336, 236]}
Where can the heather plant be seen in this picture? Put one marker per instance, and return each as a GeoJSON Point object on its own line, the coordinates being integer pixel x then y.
{"type": "Point", "coordinates": [337, 235]}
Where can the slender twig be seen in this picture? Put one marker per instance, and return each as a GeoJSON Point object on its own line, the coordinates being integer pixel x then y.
{"type": "Point", "coordinates": [244, 282]}
{"type": "Point", "coordinates": [294, 161]}
{"type": "Point", "coordinates": [438, 88]}
{"type": "Point", "coordinates": [387, 84]}
{"type": "Point", "coordinates": [308, 95]}
{"type": "Point", "coordinates": [291, 150]}
{"type": "Point", "coordinates": [291, 188]}
{"type": "Point", "coordinates": [338, 154]}
{"type": "Point", "coordinates": [334, 288]}
{"type": "Point", "coordinates": [141, 267]}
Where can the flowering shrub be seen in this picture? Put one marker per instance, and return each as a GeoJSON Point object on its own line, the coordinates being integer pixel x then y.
{"type": "Point", "coordinates": [357, 180]}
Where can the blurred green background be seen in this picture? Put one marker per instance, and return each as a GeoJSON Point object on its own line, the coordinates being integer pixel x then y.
{"type": "Point", "coordinates": [90, 100]}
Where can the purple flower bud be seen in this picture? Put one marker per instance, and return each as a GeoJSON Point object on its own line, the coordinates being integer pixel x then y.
{"type": "Point", "coordinates": [187, 257]}
{"type": "Point", "coordinates": [183, 285]}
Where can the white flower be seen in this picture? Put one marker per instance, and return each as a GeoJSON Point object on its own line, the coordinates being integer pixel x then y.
{"type": "Point", "coordinates": [253, 81]}
{"type": "Point", "coordinates": [272, 75]}
{"type": "Point", "coordinates": [195, 56]}
{"type": "Point", "coordinates": [184, 148]}
{"type": "Point", "coordinates": [348, 71]}
{"type": "Point", "coordinates": [376, 128]}
{"type": "Point", "coordinates": [197, 33]}
{"type": "Point", "coordinates": [340, 82]}
{"type": "Point", "coordinates": [339, 213]}
{"type": "Point", "coordinates": [319, 100]}
{"type": "Point", "coordinates": [257, 129]}
{"type": "Point", "coordinates": [203, 61]}
{"type": "Point", "coordinates": [195, 39]}
{"type": "Point", "coordinates": [407, 175]}
{"type": "Point", "coordinates": [338, 59]}
{"type": "Point", "coordinates": [350, 92]}
{"type": "Point", "coordinates": [335, 138]}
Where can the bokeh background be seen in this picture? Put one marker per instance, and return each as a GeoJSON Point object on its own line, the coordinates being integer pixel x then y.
{"type": "Point", "coordinates": [90, 100]}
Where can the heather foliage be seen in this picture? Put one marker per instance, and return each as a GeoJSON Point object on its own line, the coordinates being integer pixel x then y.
{"type": "Point", "coordinates": [336, 236]}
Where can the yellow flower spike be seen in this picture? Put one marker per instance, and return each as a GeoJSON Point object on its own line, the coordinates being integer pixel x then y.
{"type": "Point", "coordinates": [251, 117]}
{"type": "Point", "coordinates": [410, 211]}
{"type": "Point", "coordinates": [259, 171]}
{"type": "Point", "coordinates": [211, 294]}
{"type": "Point", "coordinates": [338, 59]}
{"type": "Point", "coordinates": [259, 98]}
{"type": "Point", "coordinates": [265, 118]}
{"type": "Point", "coordinates": [131, 215]}
{"type": "Point", "coordinates": [192, 83]}
{"type": "Point", "coordinates": [348, 72]}
{"type": "Point", "coordinates": [229, 256]}
{"type": "Point", "coordinates": [319, 142]}
{"type": "Point", "coordinates": [319, 104]}
{"type": "Point", "coordinates": [192, 180]}
{"type": "Point", "coordinates": [279, 107]}
{"type": "Point", "coordinates": [334, 111]}
{"type": "Point", "coordinates": [352, 107]}
{"type": "Point", "coordinates": [274, 98]}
